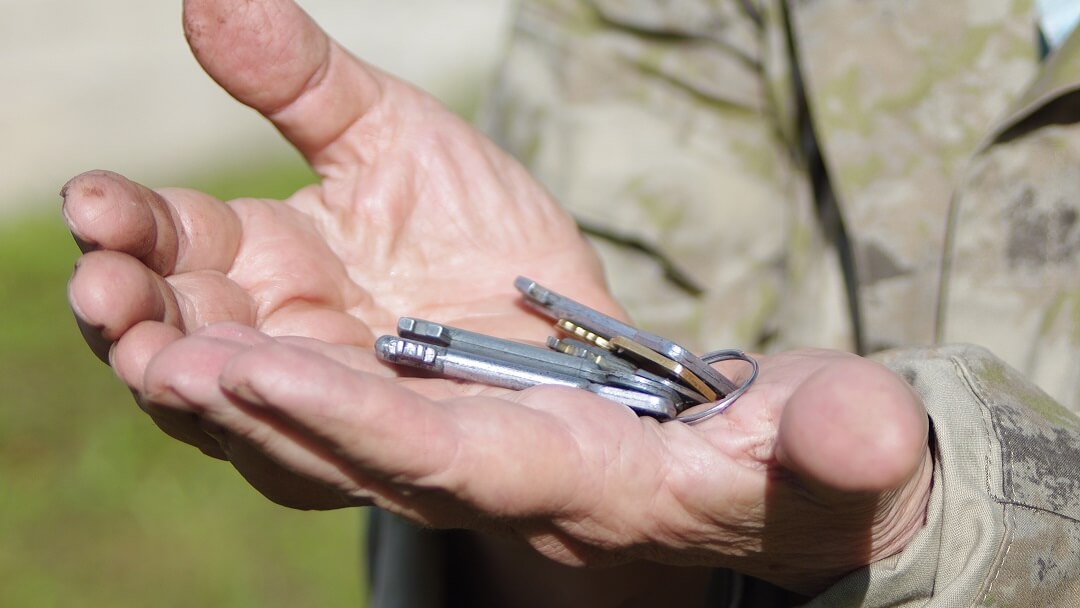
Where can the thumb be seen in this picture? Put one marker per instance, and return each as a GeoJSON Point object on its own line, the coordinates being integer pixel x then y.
{"type": "Point", "coordinates": [270, 55]}
{"type": "Point", "coordinates": [854, 427]}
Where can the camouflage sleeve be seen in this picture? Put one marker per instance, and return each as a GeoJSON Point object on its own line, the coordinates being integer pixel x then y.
{"type": "Point", "coordinates": [1003, 524]}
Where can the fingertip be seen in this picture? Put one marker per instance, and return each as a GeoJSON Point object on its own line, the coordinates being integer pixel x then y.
{"type": "Point", "coordinates": [276, 376]}
{"type": "Point", "coordinates": [92, 335]}
{"type": "Point", "coordinates": [106, 210]}
{"type": "Point", "coordinates": [334, 405]}
{"type": "Point", "coordinates": [263, 53]}
{"type": "Point", "coordinates": [84, 184]}
{"type": "Point", "coordinates": [80, 289]}
{"type": "Point", "coordinates": [109, 292]}
{"type": "Point", "coordinates": [248, 374]}
{"type": "Point", "coordinates": [78, 196]}
{"type": "Point", "coordinates": [853, 426]}
{"type": "Point", "coordinates": [271, 56]}
{"type": "Point", "coordinates": [132, 354]}
{"type": "Point", "coordinates": [184, 372]}
{"type": "Point", "coordinates": [91, 332]}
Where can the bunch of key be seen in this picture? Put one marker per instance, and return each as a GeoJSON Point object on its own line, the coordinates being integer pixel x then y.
{"type": "Point", "coordinates": [651, 375]}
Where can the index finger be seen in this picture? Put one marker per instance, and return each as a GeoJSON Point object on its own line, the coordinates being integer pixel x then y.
{"type": "Point", "coordinates": [170, 231]}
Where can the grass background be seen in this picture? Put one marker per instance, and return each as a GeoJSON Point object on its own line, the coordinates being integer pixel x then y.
{"type": "Point", "coordinates": [98, 508]}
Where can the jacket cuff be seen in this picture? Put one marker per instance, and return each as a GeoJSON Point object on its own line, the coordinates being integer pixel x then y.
{"type": "Point", "coordinates": [1002, 519]}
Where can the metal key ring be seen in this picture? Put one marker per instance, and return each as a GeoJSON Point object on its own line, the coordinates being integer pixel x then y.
{"type": "Point", "coordinates": [718, 407]}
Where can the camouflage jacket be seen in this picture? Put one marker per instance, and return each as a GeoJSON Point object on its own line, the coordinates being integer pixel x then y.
{"type": "Point", "coordinates": [859, 174]}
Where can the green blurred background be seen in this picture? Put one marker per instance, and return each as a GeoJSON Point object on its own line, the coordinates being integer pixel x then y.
{"type": "Point", "coordinates": [97, 507]}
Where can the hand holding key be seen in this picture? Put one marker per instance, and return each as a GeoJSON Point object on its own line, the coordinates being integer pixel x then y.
{"type": "Point", "coordinates": [191, 300]}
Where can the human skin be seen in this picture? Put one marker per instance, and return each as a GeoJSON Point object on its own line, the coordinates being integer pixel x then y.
{"type": "Point", "coordinates": [245, 329]}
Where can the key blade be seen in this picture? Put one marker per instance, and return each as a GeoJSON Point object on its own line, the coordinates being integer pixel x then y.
{"type": "Point", "coordinates": [423, 331]}
{"type": "Point", "coordinates": [683, 395]}
{"type": "Point", "coordinates": [559, 307]}
{"type": "Point", "coordinates": [657, 406]}
{"type": "Point", "coordinates": [509, 351]}
{"type": "Point", "coordinates": [604, 359]}
{"type": "Point", "coordinates": [671, 367]}
{"type": "Point", "coordinates": [464, 365]}
{"type": "Point", "coordinates": [534, 291]}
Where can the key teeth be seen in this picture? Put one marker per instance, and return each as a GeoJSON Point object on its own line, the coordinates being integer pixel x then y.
{"type": "Point", "coordinates": [578, 331]}
{"type": "Point", "coordinates": [398, 350]}
{"type": "Point", "coordinates": [386, 348]}
{"type": "Point", "coordinates": [569, 348]}
{"type": "Point", "coordinates": [425, 331]}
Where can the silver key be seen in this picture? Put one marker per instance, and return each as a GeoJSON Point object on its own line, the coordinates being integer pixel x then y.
{"type": "Point", "coordinates": [559, 307]}
{"type": "Point", "coordinates": [514, 373]}
{"type": "Point", "coordinates": [470, 366]}
{"type": "Point", "coordinates": [490, 346]}
{"type": "Point", "coordinates": [601, 368]}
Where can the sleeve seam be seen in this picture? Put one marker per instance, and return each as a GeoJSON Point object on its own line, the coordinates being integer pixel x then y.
{"type": "Point", "coordinates": [984, 408]}
{"type": "Point", "coordinates": [1006, 545]}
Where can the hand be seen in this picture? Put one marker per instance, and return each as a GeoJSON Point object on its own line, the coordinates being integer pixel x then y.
{"type": "Point", "coordinates": [245, 329]}
{"type": "Point", "coordinates": [820, 468]}
{"type": "Point", "coordinates": [417, 214]}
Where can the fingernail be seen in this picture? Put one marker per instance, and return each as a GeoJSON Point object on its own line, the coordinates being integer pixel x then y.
{"type": "Point", "coordinates": [94, 191]}
{"type": "Point", "coordinates": [66, 188]}
{"type": "Point", "coordinates": [92, 335]}
{"type": "Point", "coordinates": [243, 392]}
{"type": "Point", "coordinates": [85, 245]}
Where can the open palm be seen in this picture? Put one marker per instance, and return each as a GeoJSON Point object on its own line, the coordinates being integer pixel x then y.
{"type": "Point", "coordinates": [246, 330]}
